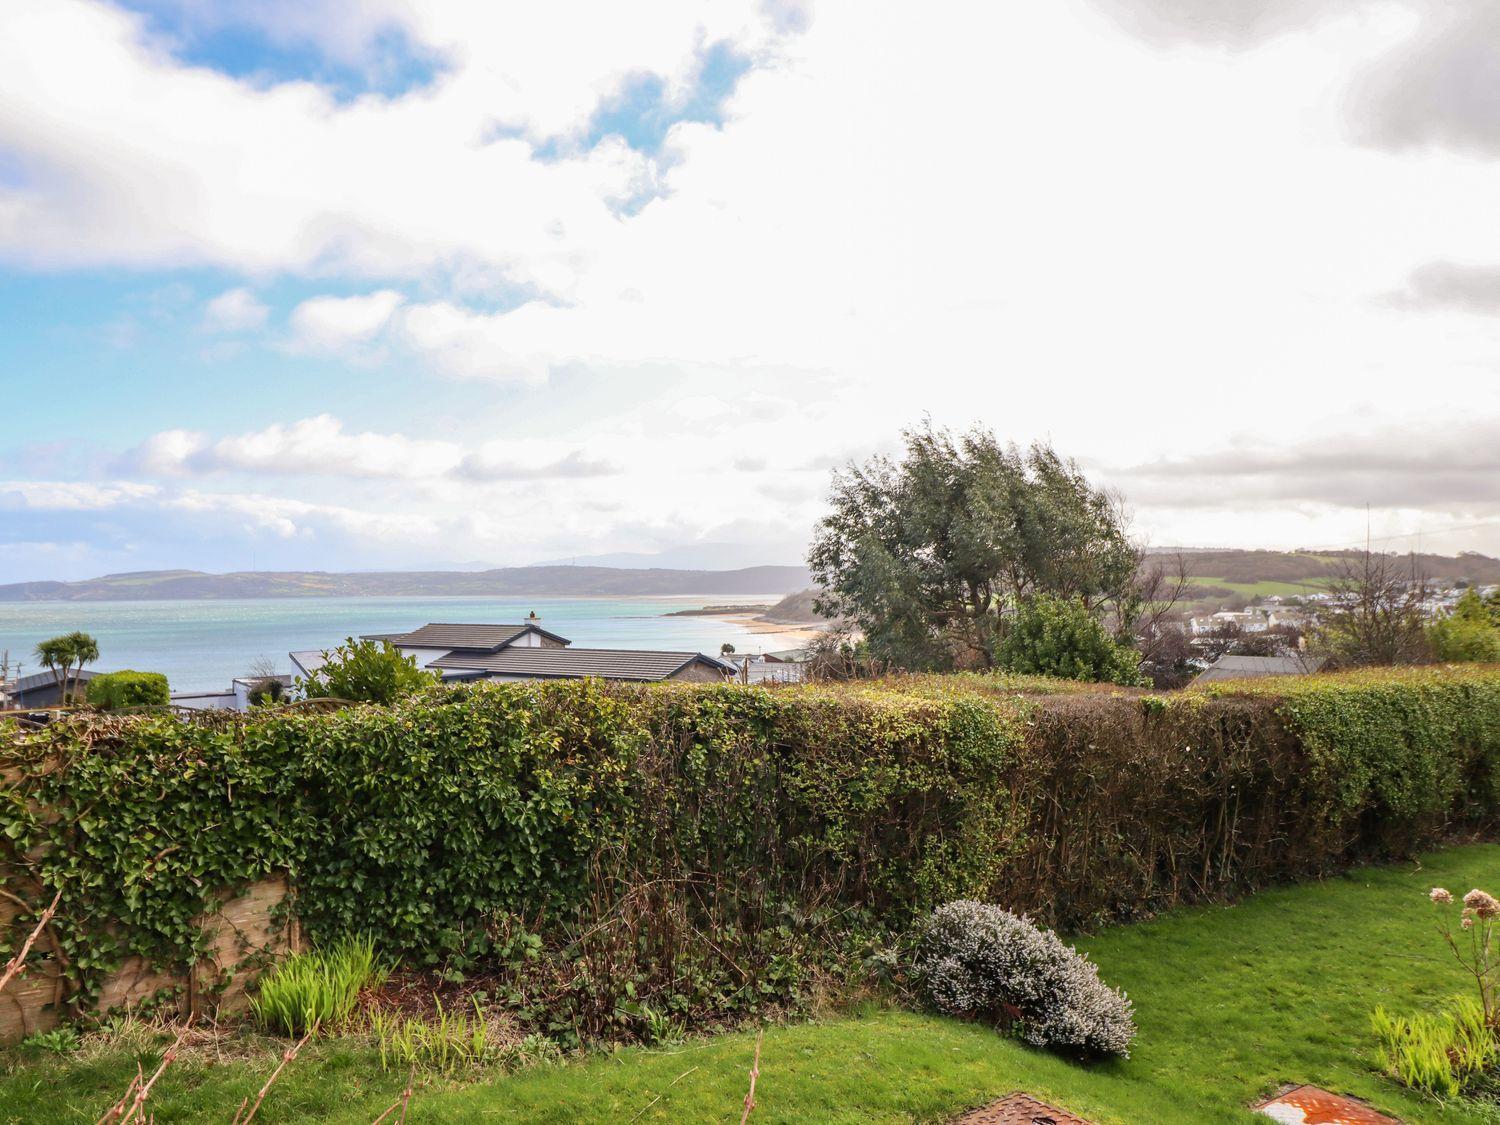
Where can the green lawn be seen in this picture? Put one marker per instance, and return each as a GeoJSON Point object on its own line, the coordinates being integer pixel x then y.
{"type": "Point", "coordinates": [1266, 589]}
{"type": "Point", "coordinates": [1231, 1002]}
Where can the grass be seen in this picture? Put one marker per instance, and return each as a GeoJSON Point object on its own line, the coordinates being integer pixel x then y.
{"type": "Point", "coordinates": [1268, 588]}
{"type": "Point", "coordinates": [316, 990]}
{"type": "Point", "coordinates": [1231, 1001]}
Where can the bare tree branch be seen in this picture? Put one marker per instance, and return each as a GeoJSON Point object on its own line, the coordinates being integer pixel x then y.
{"type": "Point", "coordinates": [14, 965]}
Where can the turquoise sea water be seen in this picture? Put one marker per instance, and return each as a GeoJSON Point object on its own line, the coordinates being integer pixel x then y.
{"type": "Point", "coordinates": [203, 645]}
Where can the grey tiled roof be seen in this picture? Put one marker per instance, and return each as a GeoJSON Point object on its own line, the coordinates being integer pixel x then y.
{"type": "Point", "coordinates": [47, 679]}
{"type": "Point", "coordinates": [482, 638]}
{"type": "Point", "coordinates": [1251, 667]}
{"type": "Point", "coordinates": [575, 663]}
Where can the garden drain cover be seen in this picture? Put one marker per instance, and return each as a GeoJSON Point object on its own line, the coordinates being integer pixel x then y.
{"type": "Point", "coordinates": [1308, 1105]}
{"type": "Point", "coordinates": [1019, 1109]}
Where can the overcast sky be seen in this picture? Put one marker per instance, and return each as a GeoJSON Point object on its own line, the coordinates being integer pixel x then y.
{"type": "Point", "coordinates": [314, 284]}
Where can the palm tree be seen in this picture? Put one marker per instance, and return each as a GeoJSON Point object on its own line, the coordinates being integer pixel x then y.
{"type": "Point", "coordinates": [60, 654]}
{"type": "Point", "coordinates": [84, 649]}
{"type": "Point", "coordinates": [56, 655]}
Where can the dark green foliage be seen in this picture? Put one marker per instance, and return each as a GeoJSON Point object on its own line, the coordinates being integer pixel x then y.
{"type": "Point", "coordinates": [927, 555]}
{"type": "Point", "coordinates": [1471, 634]}
{"type": "Point", "coordinates": [1051, 636]}
{"type": "Point", "coordinates": [116, 690]}
{"type": "Point", "coordinates": [703, 850]}
{"type": "Point", "coordinates": [141, 820]}
{"type": "Point", "coordinates": [366, 672]}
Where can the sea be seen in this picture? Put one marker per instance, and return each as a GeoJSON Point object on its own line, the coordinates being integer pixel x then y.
{"type": "Point", "coordinates": [201, 645]}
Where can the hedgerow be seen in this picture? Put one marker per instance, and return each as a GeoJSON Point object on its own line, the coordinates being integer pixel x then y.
{"type": "Point", "coordinates": [715, 848]}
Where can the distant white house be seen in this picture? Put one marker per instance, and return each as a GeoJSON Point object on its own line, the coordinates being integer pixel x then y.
{"type": "Point", "coordinates": [767, 668]}
{"type": "Point", "coordinates": [236, 698]}
{"type": "Point", "coordinates": [1253, 619]}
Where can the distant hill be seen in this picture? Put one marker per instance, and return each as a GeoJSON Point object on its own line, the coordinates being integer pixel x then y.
{"type": "Point", "coordinates": [556, 581]}
{"type": "Point", "coordinates": [795, 609]}
{"type": "Point", "coordinates": [1216, 573]}
{"type": "Point", "coordinates": [1317, 567]}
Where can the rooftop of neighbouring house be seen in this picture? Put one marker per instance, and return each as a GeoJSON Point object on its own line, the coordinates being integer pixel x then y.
{"type": "Point", "coordinates": [476, 637]}
{"type": "Point", "coordinates": [473, 651]}
{"type": "Point", "coordinates": [574, 663]}
{"type": "Point", "coordinates": [1250, 667]}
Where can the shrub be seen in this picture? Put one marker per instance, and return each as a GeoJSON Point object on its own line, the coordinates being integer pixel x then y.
{"type": "Point", "coordinates": [314, 990]}
{"type": "Point", "coordinates": [116, 690]}
{"type": "Point", "coordinates": [979, 961]}
{"type": "Point", "coordinates": [1050, 636]}
{"type": "Point", "coordinates": [367, 672]}
{"type": "Point", "coordinates": [1471, 634]}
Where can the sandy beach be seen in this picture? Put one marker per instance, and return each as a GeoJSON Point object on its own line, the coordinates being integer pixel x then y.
{"type": "Point", "coordinates": [770, 636]}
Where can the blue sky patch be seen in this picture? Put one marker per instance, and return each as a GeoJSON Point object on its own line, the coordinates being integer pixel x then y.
{"type": "Point", "coordinates": [643, 110]}
{"type": "Point", "coordinates": [391, 64]}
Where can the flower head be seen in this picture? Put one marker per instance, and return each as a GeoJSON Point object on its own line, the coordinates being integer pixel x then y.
{"type": "Point", "coordinates": [1440, 896]}
{"type": "Point", "coordinates": [1467, 923]}
{"type": "Point", "coordinates": [1482, 903]}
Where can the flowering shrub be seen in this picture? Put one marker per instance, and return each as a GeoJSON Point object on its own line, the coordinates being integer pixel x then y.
{"type": "Point", "coordinates": [1452, 1053]}
{"type": "Point", "coordinates": [978, 960]}
{"type": "Point", "coordinates": [1475, 944]}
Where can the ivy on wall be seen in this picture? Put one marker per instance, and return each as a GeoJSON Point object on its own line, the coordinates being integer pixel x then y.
{"type": "Point", "coordinates": [708, 830]}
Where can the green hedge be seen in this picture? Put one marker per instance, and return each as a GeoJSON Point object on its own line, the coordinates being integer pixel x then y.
{"type": "Point", "coordinates": [114, 691]}
{"type": "Point", "coordinates": [715, 841]}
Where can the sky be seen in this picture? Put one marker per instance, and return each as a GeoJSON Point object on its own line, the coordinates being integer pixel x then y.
{"type": "Point", "coordinates": [303, 284]}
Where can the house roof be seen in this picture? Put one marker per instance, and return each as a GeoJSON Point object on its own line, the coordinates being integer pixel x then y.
{"type": "Point", "coordinates": [575, 663]}
{"type": "Point", "coordinates": [309, 660]}
{"type": "Point", "coordinates": [47, 679]}
{"type": "Point", "coordinates": [478, 638]}
{"type": "Point", "coordinates": [1250, 667]}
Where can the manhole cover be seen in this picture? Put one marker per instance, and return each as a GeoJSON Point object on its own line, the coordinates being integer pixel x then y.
{"type": "Point", "coordinates": [1308, 1105]}
{"type": "Point", "coordinates": [1019, 1109]}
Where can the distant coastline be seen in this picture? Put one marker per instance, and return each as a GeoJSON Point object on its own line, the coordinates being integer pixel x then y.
{"type": "Point", "coordinates": [526, 581]}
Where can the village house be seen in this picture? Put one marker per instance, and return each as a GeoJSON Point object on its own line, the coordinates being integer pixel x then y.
{"type": "Point", "coordinates": [526, 651]}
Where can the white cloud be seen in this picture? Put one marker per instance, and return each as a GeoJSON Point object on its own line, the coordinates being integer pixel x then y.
{"type": "Point", "coordinates": [235, 310]}
{"type": "Point", "coordinates": [459, 342]}
{"type": "Point", "coordinates": [72, 496]}
{"type": "Point", "coordinates": [320, 446]}
{"type": "Point", "coordinates": [335, 324]}
{"type": "Point", "coordinates": [1042, 227]}
{"type": "Point", "coordinates": [134, 159]}
{"type": "Point", "coordinates": [502, 461]}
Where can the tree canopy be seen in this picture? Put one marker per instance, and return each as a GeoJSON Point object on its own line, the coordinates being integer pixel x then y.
{"type": "Point", "coordinates": [928, 555]}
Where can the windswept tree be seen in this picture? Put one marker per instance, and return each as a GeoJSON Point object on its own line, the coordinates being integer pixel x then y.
{"type": "Point", "coordinates": [928, 556]}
